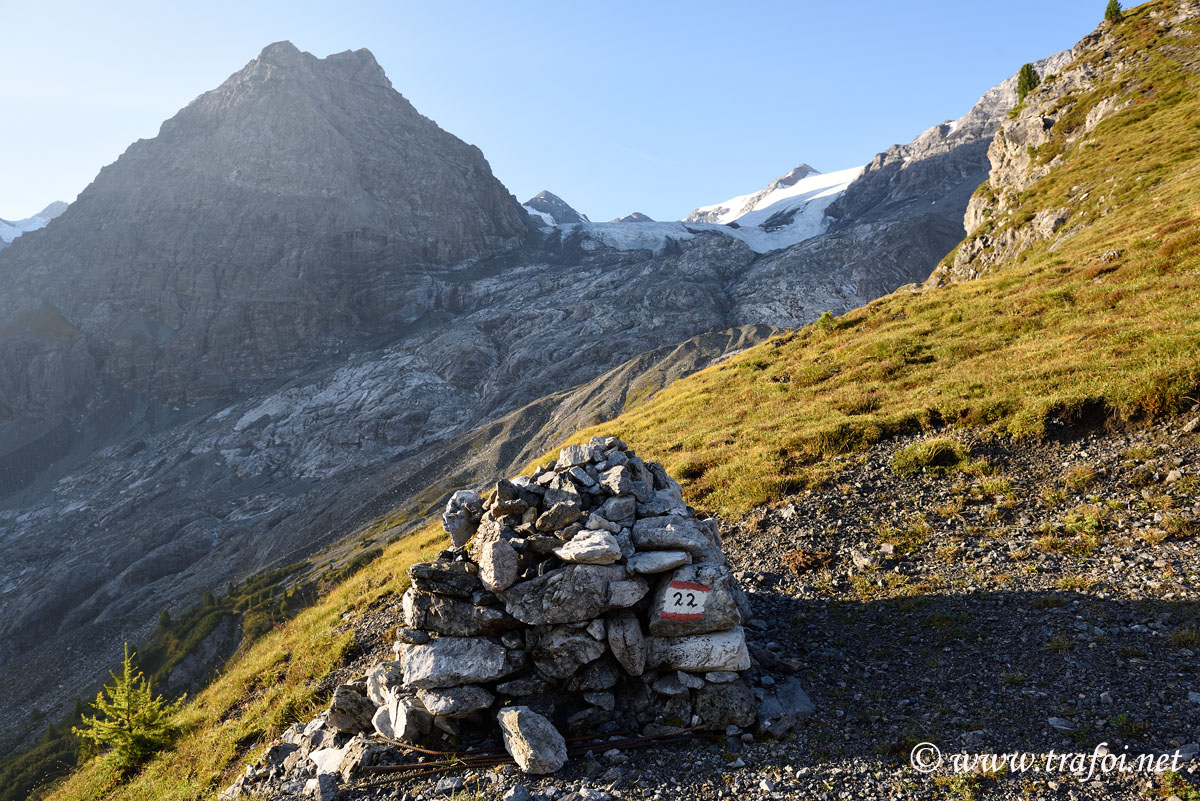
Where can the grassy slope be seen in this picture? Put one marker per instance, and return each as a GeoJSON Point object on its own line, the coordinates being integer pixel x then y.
{"type": "Point", "coordinates": [1055, 333]}
{"type": "Point", "coordinates": [272, 686]}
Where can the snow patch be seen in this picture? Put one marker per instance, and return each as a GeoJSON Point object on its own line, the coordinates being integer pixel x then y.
{"type": "Point", "coordinates": [543, 216]}
{"type": "Point", "coordinates": [10, 230]}
{"type": "Point", "coordinates": [785, 214]}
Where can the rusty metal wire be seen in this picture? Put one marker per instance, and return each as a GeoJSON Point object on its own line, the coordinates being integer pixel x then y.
{"type": "Point", "coordinates": [461, 760]}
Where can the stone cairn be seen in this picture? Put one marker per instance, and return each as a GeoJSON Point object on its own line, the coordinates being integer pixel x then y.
{"type": "Point", "coordinates": [582, 600]}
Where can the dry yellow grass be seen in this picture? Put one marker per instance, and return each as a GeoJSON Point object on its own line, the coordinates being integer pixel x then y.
{"type": "Point", "coordinates": [1063, 333]}
{"type": "Point", "coordinates": [270, 687]}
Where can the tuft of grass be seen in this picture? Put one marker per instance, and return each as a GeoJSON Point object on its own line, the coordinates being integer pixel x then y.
{"type": "Point", "coordinates": [1129, 727]}
{"type": "Point", "coordinates": [1138, 453]}
{"type": "Point", "coordinates": [1074, 583]}
{"type": "Point", "coordinates": [1172, 784]}
{"type": "Point", "coordinates": [1079, 477]}
{"type": "Point", "coordinates": [1085, 521]}
{"type": "Point", "coordinates": [1186, 638]}
{"type": "Point", "coordinates": [938, 455]}
{"type": "Point", "coordinates": [906, 538]}
{"type": "Point", "coordinates": [1060, 644]}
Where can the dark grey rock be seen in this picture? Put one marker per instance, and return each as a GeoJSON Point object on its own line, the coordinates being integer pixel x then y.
{"type": "Point", "coordinates": [452, 616]}
{"type": "Point", "coordinates": [455, 702]}
{"type": "Point", "coordinates": [349, 711]}
{"type": "Point", "coordinates": [783, 707]}
{"type": "Point", "coordinates": [722, 705]}
{"type": "Point", "coordinates": [564, 650]}
{"type": "Point", "coordinates": [448, 578]}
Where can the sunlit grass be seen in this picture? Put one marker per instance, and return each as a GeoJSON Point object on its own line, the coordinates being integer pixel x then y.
{"type": "Point", "coordinates": [1056, 336]}
{"type": "Point", "coordinates": [270, 687]}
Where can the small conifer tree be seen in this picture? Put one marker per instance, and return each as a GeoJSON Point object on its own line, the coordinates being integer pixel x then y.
{"type": "Point", "coordinates": [1113, 13]}
{"type": "Point", "coordinates": [1027, 79]}
{"type": "Point", "coordinates": [132, 722]}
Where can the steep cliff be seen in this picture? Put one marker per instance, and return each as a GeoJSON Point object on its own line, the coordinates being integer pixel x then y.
{"type": "Point", "coordinates": [1109, 71]}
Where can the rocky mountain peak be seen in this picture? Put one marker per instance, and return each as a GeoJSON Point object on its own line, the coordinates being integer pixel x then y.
{"type": "Point", "coordinates": [199, 256]}
{"type": "Point", "coordinates": [636, 216]}
{"type": "Point", "coordinates": [553, 210]}
{"type": "Point", "coordinates": [358, 65]}
{"type": "Point", "coordinates": [734, 208]}
{"type": "Point", "coordinates": [798, 173]}
{"type": "Point", "coordinates": [903, 178]}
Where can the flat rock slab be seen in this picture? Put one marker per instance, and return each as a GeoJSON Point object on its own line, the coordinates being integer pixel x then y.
{"type": "Point", "coordinates": [532, 740]}
{"type": "Point", "coordinates": [590, 548]}
{"type": "Point", "coordinates": [700, 653]}
{"type": "Point", "coordinates": [671, 534]}
{"type": "Point", "coordinates": [448, 578]}
{"type": "Point", "coordinates": [648, 562]}
{"type": "Point", "coordinates": [570, 594]}
{"type": "Point", "coordinates": [574, 455]}
{"type": "Point", "coordinates": [451, 661]}
{"type": "Point", "coordinates": [451, 616]}
{"type": "Point", "coordinates": [455, 702]}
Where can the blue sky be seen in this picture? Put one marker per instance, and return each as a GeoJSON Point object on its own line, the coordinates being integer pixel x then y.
{"type": "Point", "coordinates": [616, 106]}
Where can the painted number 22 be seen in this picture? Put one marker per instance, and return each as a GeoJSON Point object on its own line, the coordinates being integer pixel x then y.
{"type": "Point", "coordinates": [680, 599]}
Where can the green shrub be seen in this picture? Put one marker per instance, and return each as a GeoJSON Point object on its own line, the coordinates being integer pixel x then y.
{"type": "Point", "coordinates": [133, 723]}
{"type": "Point", "coordinates": [1113, 12]}
{"type": "Point", "coordinates": [1027, 80]}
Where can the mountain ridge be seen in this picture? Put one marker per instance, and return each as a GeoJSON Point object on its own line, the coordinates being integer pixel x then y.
{"type": "Point", "coordinates": [248, 477]}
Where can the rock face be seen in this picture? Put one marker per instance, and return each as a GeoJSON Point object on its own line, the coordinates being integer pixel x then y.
{"type": "Point", "coordinates": [171, 264]}
{"type": "Point", "coordinates": [1027, 147]}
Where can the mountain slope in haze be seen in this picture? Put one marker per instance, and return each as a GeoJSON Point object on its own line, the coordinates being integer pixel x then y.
{"type": "Point", "coordinates": [147, 500]}
{"type": "Point", "coordinates": [289, 211]}
{"type": "Point", "coordinates": [10, 230]}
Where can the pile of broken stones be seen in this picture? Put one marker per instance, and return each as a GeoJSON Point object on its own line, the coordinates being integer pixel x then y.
{"type": "Point", "coordinates": [583, 600]}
